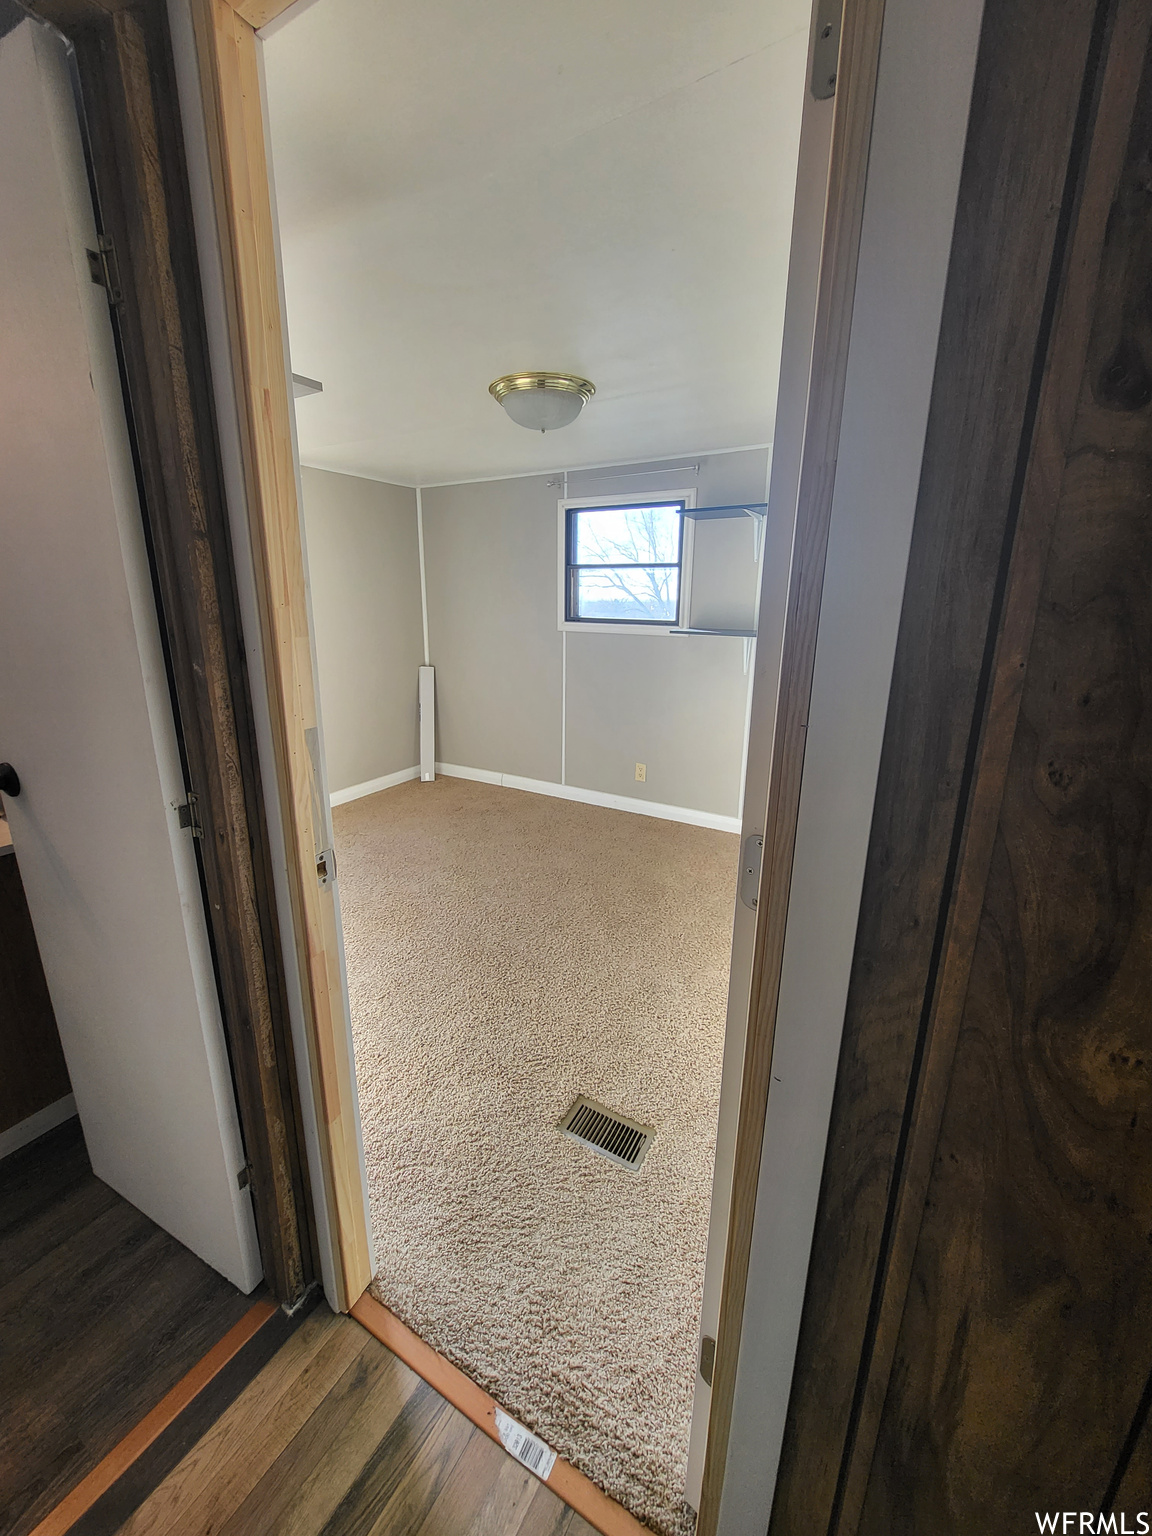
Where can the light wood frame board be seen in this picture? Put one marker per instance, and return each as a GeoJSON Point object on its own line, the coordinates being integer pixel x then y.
{"type": "Point", "coordinates": [230, 81]}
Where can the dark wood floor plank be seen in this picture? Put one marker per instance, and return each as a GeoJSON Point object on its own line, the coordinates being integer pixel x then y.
{"type": "Point", "coordinates": [402, 1477]}
{"type": "Point", "coordinates": [336, 1436]}
{"type": "Point", "coordinates": [147, 1468]}
{"type": "Point", "coordinates": [41, 1233]}
{"type": "Point", "coordinates": [487, 1494]}
{"type": "Point", "coordinates": [101, 1314]}
{"type": "Point", "coordinates": [35, 1074]}
{"type": "Point", "coordinates": [546, 1516]}
{"type": "Point", "coordinates": [33, 1178]}
{"type": "Point", "coordinates": [302, 1487]}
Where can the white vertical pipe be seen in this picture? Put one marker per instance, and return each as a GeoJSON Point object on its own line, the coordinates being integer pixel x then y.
{"type": "Point", "coordinates": [427, 724]}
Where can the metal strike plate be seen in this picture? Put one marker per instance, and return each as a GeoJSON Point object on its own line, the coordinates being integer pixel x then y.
{"type": "Point", "coordinates": [750, 869]}
{"type": "Point", "coordinates": [326, 866]}
{"type": "Point", "coordinates": [826, 48]}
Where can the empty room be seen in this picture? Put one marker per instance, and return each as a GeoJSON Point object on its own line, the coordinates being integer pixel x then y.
{"type": "Point", "coordinates": [574, 739]}
{"type": "Point", "coordinates": [535, 301]}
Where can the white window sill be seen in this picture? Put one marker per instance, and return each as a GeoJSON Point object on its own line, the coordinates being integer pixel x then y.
{"type": "Point", "coordinates": [591, 627]}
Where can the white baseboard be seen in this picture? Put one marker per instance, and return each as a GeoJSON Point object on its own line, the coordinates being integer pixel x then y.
{"type": "Point", "coordinates": [46, 1119]}
{"type": "Point", "coordinates": [683, 813]}
{"type": "Point", "coordinates": [372, 786]}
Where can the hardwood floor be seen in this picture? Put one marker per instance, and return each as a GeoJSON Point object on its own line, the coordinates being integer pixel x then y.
{"type": "Point", "coordinates": [34, 1074]}
{"type": "Point", "coordinates": [336, 1437]}
{"type": "Point", "coordinates": [315, 1429]}
{"type": "Point", "coordinates": [101, 1313]}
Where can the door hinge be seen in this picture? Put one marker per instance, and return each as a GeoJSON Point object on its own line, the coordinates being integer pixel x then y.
{"type": "Point", "coordinates": [326, 866]}
{"type": "Point", "coordinates": [707, 1358]}
{"type": "Point", "coordinates": [750, 870]}
{"type": "Point", "coordinates": [826, 48]}
{"type": "Point", "coordinates": [244, 1177]}
{"type": "Point", "coordinates": [188, 815]}
{"type": "Point", "coordinates": [104, 269]}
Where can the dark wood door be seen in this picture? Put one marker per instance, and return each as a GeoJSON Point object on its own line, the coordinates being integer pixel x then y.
{"type": "Point", "coordinates": [34, 1074]}
{"type": "Point", "coordinates": [977, 1337]}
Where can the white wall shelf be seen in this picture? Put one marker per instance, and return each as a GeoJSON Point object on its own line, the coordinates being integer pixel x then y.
{"type": "Point", "coordinates": [711, 514]}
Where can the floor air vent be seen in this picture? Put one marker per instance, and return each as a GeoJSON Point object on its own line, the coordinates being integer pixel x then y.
{"type": "Point", "coordinates": [619, 1140]}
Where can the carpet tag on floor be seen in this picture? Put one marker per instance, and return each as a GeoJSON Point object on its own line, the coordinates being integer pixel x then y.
{"type": "Point", "coordinates": [525, 1446]}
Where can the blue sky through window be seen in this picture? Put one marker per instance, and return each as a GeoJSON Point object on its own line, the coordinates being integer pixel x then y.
{"type": "Point", "coordinates": [628, 561]}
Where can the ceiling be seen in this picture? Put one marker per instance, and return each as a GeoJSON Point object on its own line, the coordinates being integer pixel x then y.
{"type": "Point", "coordinates": [470, 190]}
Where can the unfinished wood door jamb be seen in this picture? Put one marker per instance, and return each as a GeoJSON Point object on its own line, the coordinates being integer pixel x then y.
{"type": "Point", "coordinates": [227, 50]}
{"type": "Point", "coordinates": [848, 162]}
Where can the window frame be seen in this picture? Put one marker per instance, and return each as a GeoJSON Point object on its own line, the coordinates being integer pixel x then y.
{"type": "Point", "coordinates": [568, 504]}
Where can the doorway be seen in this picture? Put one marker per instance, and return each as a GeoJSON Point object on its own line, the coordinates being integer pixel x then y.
{"type": "Point", "coordinates": [549, 919]}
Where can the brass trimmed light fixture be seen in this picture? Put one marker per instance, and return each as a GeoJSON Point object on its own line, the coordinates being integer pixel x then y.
{"type": "Point", "coordinates": [542, 401]}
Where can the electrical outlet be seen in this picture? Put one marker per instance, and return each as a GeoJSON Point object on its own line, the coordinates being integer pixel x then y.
{"type": "Point", "coordinates": [641, 773]}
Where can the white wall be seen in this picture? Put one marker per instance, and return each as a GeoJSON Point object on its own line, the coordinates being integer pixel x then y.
{"type": "Point", "coordinates": [516, 696]}
{"type": "Point", "coordinates": [364, 575]}
{"type": "Point", "coordinates": [927, 63]}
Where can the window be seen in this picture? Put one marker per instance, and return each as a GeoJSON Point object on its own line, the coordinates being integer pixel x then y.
{"type": "Point", "coordinates": [624, 564]}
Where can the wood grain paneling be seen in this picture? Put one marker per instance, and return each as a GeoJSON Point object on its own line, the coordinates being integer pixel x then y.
{"type": "Point", "coordinates": [101, 1314]}
{"type": "Point", "coordinates": [979, 1417]}
{"type": "Point", "coordinates": [34, 1074]}
{"type": "Point", "coordinates": [1013, 1387]}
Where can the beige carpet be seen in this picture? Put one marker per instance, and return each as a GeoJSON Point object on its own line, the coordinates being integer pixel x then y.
{"type": "Point", "coordinates": [506, 953]}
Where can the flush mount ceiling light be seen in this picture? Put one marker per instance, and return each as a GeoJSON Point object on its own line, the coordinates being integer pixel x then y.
{"type": "Point", "coordinates": [542, 401]}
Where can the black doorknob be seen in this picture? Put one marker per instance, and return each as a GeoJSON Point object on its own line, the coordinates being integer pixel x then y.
{"type": "Point", "coordinates": [9, 780]}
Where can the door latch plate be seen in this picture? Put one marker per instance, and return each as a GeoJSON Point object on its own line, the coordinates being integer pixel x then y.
{"type": "Point", "coordinates": [826, 48]}
{"type": "Point", "coordinates": [750, 870]}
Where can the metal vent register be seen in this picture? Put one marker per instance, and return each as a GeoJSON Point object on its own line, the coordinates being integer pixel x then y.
{"type": "Point", "coordinates": [619, 1140]}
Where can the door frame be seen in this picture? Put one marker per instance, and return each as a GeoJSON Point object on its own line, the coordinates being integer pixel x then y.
{"type": "Point", "coordinates": [228, 51]}
{"type": "Point", "coordinates": [133, 141]}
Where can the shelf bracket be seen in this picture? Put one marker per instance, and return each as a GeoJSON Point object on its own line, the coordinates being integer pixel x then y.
{"type": "Point", "coordinates": [758, 521]}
